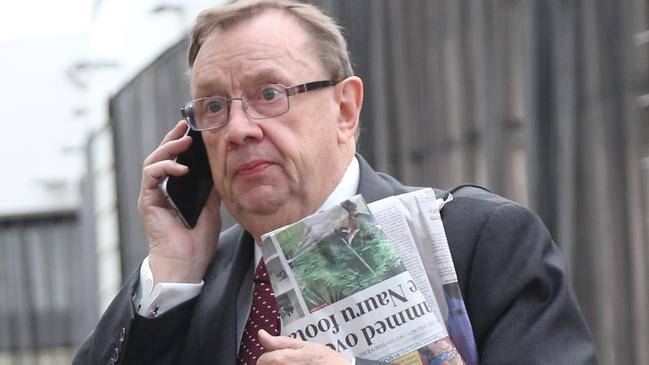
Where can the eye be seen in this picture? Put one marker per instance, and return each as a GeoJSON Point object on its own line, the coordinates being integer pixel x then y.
{"type": "Point", "coordinates": [269, 93]}
{"type": "Point", "coordinates": [214, 106]}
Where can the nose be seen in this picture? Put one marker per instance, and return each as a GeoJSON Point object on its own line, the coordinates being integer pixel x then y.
{"type": "Point", "coordinates": [241, 129]}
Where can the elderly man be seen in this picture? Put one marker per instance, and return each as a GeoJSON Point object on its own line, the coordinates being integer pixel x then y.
{"type": "Point", "coordinates": [278, 107]}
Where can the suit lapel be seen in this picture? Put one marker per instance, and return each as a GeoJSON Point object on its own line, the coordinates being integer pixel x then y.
{"type": "Point", "coordinates": [375, 186]}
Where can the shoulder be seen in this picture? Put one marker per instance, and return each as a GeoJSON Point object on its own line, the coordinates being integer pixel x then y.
{"type": "Point", "coordinates": [513, 277]}
{"type": "Point", "coordinates": [485, 230]}
{"type": "Point", "coordinates": [473, 208]}
{"type": "Point", "coordinates": [474, 212]}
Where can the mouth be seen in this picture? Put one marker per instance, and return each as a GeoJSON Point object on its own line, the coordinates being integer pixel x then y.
{"type": "Point", "coordinates": [252, 168]}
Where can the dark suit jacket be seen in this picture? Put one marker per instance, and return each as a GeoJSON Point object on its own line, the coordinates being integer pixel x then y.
{"type": "Point", "coordinates": [511, 275]}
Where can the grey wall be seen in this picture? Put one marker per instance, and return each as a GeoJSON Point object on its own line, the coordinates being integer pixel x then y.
{"type": "Point", "coordinates": [141, 113]}
{"type": "Point", "coordinates": [536, 100]}
{"type": "Point", "coordinates": [39, 274]}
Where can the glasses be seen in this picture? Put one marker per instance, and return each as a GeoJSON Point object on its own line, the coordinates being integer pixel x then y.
{"type": "Point", "coordinates": [266, 101]}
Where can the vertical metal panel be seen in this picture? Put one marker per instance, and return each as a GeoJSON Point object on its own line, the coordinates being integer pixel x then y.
{"type": "Point", "coordinates": [477, 96]}
{"type": "Point", "coordinates": [378, 91]}
{"type": "Point", "coordinates": [529, 56]}
{"type": "Point", "coordinates": [594, 178]}
{"type": "Point", "coordinates": [636, 135]}
{"type": "Point", "coordinates": [85, 300]}
{"type": "Point", "coordinates": [452, 96]}
{"type": "Point", "coordinates": [141, 114]}
{"type": "Point", "coordinates": [640, 222]}
{"type": "Point", "coordinates": [493, 132]}
{"type": "Point", "coordinates": [641, 261]}
{"type": "Point", "coordinates": [128, 162]}
{"type": "Point", "coordinates": [402, 92]}
{"type": "Point", "coordinates": [37, 260]}
{"type": "Point", "coordinates": [565, 114]}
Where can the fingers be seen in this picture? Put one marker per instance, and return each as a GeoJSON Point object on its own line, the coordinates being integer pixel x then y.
{"type": "Point", "coordinates": [159, 164]}
{"type": "Point", "coordinates": [169, 150]}
{"type": "Point", "coordinates": [272, 343]}
{"type": "Point", "coordinates": [176, 132]}
{"type": "Point", "coordinates": [154, 174]}
{"type": "Point", "coordinates": [286, 350]}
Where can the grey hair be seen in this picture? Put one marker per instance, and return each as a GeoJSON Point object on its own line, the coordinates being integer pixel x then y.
{"type": "Point", "coordinates": [326, 35]}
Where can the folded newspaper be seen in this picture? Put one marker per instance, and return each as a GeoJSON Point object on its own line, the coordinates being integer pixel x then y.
{"type": "Point", "coordinates": [375, 282]}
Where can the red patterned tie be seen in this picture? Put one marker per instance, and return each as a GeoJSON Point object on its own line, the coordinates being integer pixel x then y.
{"type": "Point", "coordinates": [263, 314]}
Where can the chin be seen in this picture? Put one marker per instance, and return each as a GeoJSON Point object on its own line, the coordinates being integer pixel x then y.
{"type": "Point", "coordinates": [263, 200]}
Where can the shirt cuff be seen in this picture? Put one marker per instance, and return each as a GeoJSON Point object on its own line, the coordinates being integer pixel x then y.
{"type": "Point", "coordinates": [155, 301]}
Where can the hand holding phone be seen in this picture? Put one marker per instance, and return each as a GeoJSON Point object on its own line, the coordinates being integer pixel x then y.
{"type": "Point", "coordinates": [188, 193]}
{"type": "Point", "coordinates": [177, 253]}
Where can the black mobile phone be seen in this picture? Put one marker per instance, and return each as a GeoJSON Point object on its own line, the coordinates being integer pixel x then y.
{"type": "Point", "coordinates": [188, 193]}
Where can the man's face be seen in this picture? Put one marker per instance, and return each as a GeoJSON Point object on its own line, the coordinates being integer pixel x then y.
{"type": "Point", "coordinates": [274, 171]}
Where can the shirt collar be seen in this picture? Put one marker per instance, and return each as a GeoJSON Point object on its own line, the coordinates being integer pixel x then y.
{"type": "Point", "coordinates": [346, 188]}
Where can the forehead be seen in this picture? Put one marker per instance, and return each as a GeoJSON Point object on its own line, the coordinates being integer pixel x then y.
{"type": "Point", "coordinates": [269, 47]}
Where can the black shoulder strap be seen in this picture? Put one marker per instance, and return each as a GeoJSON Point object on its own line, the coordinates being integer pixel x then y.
{"type": "Point", "coordinates": [449, 193]}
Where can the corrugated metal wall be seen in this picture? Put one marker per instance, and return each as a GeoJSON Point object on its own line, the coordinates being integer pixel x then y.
{"type": "Point", "coordinates": [537, 100]}
{"type": "Point", "coordinates": [39, 288]}
{"type": "Point", "coordinates": [142, 112]}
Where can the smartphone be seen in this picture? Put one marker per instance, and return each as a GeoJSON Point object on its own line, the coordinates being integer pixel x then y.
{"type": "Point", "coordinates": [188, 193]}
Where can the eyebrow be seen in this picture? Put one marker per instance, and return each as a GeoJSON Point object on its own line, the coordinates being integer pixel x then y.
{"type": "Point", "coordinates": [264, 75]}
{"type": "Point", "coordinates": [207, 87]}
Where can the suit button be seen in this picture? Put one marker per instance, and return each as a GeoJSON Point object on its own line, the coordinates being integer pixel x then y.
{"type": "Point", "coordinates": [115, 356]}
{"type": "Point", "coordinates": [122, 334]}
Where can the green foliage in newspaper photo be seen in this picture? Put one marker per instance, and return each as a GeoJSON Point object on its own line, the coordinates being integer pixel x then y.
{"type": "Point", "coordinates": [291, 239]}
{"type": "Point", "coordinates": [350, 258]}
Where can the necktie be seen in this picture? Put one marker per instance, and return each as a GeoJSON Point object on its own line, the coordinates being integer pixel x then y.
{"type": "Point", "coordinates": [263, 315]}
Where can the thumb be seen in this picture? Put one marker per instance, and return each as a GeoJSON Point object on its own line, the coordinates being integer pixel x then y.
{"type": "Point", "coordinates": [272, 343]}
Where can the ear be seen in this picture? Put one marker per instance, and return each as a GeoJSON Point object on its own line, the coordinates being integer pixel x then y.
{"type": "Point", "coordinates": [350, 92]}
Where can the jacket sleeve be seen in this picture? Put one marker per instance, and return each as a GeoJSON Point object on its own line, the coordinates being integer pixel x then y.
{"type": "Point", "coordinates": [124, 337]}
{"type": "Point", "coordinates": [518, 294]}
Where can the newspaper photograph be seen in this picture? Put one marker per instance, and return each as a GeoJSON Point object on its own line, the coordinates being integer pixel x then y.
{"type": "Point", "coordinates": [341, 281]}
